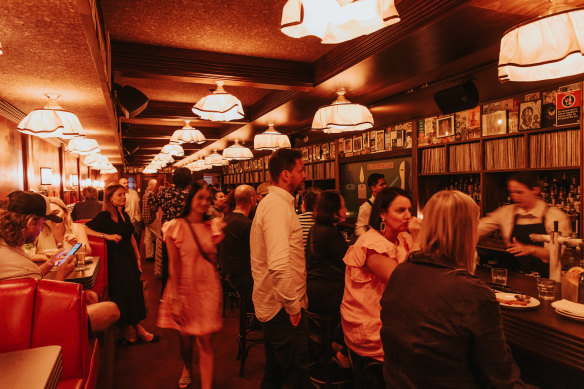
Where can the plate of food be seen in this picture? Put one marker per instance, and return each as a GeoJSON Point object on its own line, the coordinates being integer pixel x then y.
{"type": "Point", "coordinates": [516, 301]}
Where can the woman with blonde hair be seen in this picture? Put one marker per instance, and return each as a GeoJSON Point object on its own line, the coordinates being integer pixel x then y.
{"type": "Point", "coordinates": [61, 236]}
{"type": "Point", "coordinates": [441, 326]}
{"type": "Point", "coordinates": [124, 268]}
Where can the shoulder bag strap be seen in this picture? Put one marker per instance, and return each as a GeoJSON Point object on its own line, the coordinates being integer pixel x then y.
{"type": "Point", "coordinates": [203, 253]}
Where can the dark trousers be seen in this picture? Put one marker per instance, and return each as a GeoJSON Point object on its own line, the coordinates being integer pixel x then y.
{"type": "Point", "coordinates": [164, 270]}
{"type": "Point", "coordinates": [367, 372]}
{"type": "Point", "coordinates": [286, 350]}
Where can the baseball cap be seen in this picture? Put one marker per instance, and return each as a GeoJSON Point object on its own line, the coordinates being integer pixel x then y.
{"type": "Point", "coordinates": [30, 203]}
{"type": "Point", "coordinates": [263, 188]}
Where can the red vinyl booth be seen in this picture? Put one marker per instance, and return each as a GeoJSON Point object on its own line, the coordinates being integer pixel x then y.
{"type": "Point", "coordinates": [38, 313]}
{"type": "Point", "coordinates": [99, 248]}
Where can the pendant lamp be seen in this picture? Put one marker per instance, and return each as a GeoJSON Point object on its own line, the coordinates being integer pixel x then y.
{"type": "Point", "coordinates": [187, 134]}
{"type": "Point", "coordinates": [336, 21]}
{"type": "Point", "coordinates": [215, 159]}
{"type": "Point", "coordinates": [94, 159]}
{"type": "Point", "coordinates": [271, 140]}
{"type": "Point", "coordinates": [52, 121]}
{"type": "Point", "coordinates": [173, 149]}
{"type": "Point", "coordinates": [219, 106]}
{"type": "Point", "coordinates": [82, 146]}
{"type": "Point", "coordinates": [149, 170]}
{"type": "Point", "coordinates": [237, 152]}
{"type": "Point", "coordinates": [111, 170]}
{"type": "Point", "coordinates": [551, 46]}
{"type": "Point", "coordinates": [164, 158]}
{"type": "Point", "coordinates": [342, 116]}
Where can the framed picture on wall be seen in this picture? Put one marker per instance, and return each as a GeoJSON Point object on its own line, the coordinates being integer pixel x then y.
{"type": "Point", "coordinates": [357, 143]}
{"type": "Point", "coordinates": [349, 145]}
{"type": "Point", "coordinates": [445, 126]}
{"type": "Point", "coordinates": [495, 123]}
{"type": "Point", "coordinates": [530, 115]}
{"type": "Point", "coordinates": [380, 140]}
{"type": "Point", "coordinates": [46, 176]}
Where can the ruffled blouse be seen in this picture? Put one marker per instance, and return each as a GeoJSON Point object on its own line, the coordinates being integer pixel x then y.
{"type": "Point", "coordinates": [360, 309]}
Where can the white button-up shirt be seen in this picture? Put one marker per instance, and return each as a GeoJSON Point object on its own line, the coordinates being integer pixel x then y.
{"type": "Point", "coordinates": [132, 207]}
{"type": "Point", "coordinates": [278, 266]}
{"type": "Point", "coordinates": [362, 224]}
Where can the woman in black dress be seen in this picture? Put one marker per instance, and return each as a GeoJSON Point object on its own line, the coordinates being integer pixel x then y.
{"type": "Point", "coordinates": [124, 270]}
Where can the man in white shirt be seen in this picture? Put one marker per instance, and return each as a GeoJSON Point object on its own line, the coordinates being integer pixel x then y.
{"type": "Point", "coordinates": [133, 208]}
{"type": "Point", "coordinates": [149, 229]}
{"type": "Point", "coordinates": [279, 273]}
{"type": "Point", "coordinates": [375, 182]}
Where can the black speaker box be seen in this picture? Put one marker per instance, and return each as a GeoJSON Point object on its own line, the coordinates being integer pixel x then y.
{"type": "Point", "coordinates": [132, 101]}
{"type": "Point", "coordinates": [458, 98]}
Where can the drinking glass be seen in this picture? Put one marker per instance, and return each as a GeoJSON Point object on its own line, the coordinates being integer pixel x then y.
{"type": "Point", "coordinates": [80, 261]}
{"type": "Point", "coordinates": [499, 275]}
{"type": "Point", "coordinates": [569, 287]}
{"type": "Point", "coordinates": [546, 288]}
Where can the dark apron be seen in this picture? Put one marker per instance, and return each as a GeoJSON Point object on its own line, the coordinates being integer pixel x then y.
{"type": "Point", "coordinates": [529, 263]}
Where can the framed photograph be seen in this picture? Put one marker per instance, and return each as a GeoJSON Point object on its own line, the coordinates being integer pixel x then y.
{"type": "Point", "coordinates": [316, 153]}
{"type": "Point", "coordinates": [365, 141]}
{"type": "Point", "coordinates": [305, 154]}
{"type": "Point", "coordinates": [495, 123]}
{"type": "Point", "coordinates": [445, 126]}
{"type": "Point", "coordinates": [348, 145]}
{"type": "Point", "coordinates": [357, 143]}
{"type": "Point", "coordinates": [332, 149]}
{"type": "Point", "coordinates": [388, 138]}
{"type": "Point", "coordinates": [530, 115]}
{"type": "Point", "coordinates": [325, 150]}
{"type": "Point", "coordinates": [46, 176]}
{"type": "Point", "coordinates": [310, 154]}
{"type": "Point", "coordinates": [380, 140]}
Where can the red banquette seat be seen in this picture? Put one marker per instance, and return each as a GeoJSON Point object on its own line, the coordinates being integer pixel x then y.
{"type": "Point", "coordinates": [99, 248]}
{"type": "Point", "coordinates": [38, 313]}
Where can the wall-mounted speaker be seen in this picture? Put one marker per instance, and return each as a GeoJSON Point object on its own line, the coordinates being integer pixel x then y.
{"type": "Point", "coordinates": [132, 101]}
{"type": "Point", "coordinates": [457, 98]}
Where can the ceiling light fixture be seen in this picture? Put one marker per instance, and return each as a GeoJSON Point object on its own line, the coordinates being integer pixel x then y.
{"type": "Point", "coordinates": [174, 149]}
{"type": "Point", "coordinates": [82, 146]}
{"type": "Point", "coordinates": [187, 134]}
{"type": "Point", "coordinates": [215, 159]}
{"type": "Point", "coordinates": [271, 140]}
{"type": "Point", "coordinates": [237, 152]}
{"type": "Point", "coordinates": [548, 47]}
{"type": "Point", "coordinates": [52, 121]}
{"type": "Point", "coordinates": [219, 106]}
{"type": "Point", "coordinates": [94, 159]}
{"type": "Point", "coordinates": [110, 170]}
{"type": "Point", "coordinates": [342, 116]}
{"type": "Point", "coordinates": [163, 158]}
{"type": "Point", "coordinates": [336, 21]}
{"type": "Point", "coordinates": [149, 170]}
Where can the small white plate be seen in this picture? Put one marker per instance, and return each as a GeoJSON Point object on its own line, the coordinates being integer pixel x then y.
{"type": "Point", "coordinates": [502, 297]}
{"type": "Point", "coordinates": [569, 314]}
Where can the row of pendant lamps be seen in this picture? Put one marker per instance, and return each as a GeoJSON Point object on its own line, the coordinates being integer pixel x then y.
{"type": "Point", "coordinates": [548, 47]}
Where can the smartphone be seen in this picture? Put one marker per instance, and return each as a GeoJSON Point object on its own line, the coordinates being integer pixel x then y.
{"type": "Point", "coordinates": [71, 252]}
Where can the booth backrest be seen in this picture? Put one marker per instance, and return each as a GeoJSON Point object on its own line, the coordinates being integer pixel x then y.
{"type": "Point", "coordinates": [99, 248]}
{"type": "Point", "coordinates": [17, 299]}
{"type": "Point", "coordinates": [60, 317]}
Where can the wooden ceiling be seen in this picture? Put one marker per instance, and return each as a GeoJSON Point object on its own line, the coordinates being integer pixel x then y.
{"type": "Point", "coordinates": [175, 51]}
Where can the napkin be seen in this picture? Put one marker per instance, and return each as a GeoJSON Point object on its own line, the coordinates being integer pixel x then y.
{"type": "Point", "coordinates": [570, 307]}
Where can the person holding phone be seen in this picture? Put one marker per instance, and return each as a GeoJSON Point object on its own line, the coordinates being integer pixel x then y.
{"type": "Point", "coordinates": [369, 264]}
{"type": "Point", "coordinates": [63, 235]}
{"type": "Point", "coordinates": [124, 269]}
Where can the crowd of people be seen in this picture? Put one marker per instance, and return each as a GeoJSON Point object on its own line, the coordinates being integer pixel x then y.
{"type": "Point", "coordinates": [402, 296]}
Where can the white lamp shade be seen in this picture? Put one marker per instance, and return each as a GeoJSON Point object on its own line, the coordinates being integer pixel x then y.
{"type": "Point", "coordinates": [149, 170]}
{"type": "Point", "coordinates": [237, 152]}
{"type": "Point", "coordinates": [342, 116]}
{"type": "Point", "coordinates": [164, 158]}
{"type": "Point", "coordinates": [52, 121]}
{"type": "Point", "coordinates": [109, 170]}
{"type": "Point", "coordinates": [336, 21]}
{"type": "Point", "coordinates": [219, 106]}
{"type": "Point", "coordinates": [549, 47]}
{"type": "Point", "coordinates": [94, 159]}
{"type": "Point", "coordinates": [187, 134]}
{"type": "Point", "coordinates": [271, 140]}
{"type": "Point", "coordinates": [173, 149]}
{"type": "Point", "coordinates": [82, 146]}
{"type": "Point", "coordinates": [215, 159]}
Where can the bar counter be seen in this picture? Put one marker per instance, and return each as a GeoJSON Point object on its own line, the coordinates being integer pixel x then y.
{"type": "Point", "coordinates": [547, 346]}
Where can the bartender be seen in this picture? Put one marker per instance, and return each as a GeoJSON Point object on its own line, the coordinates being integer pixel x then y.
{"type": "Point", "coordinates": [527, 215]}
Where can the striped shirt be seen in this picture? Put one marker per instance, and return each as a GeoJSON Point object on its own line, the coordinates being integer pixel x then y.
{"type": "Point", "coordinates": [306, 221]}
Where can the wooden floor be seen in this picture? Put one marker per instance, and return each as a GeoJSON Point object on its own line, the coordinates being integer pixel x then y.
{"type": "Point", "coordinates": [158, 366]}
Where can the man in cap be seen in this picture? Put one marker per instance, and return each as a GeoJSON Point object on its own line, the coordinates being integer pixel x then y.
{"type": "Point", "coordinates": [22, 218]}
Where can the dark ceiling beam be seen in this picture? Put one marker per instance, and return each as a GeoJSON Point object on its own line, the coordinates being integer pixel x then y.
{"type": "Point", "coordinates": [157, 62]}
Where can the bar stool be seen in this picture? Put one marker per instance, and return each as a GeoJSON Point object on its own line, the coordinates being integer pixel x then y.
{"type": "Point", "coordinates": [324, 372]}
{"type": "Point", "coordinates": [248, 324]}
{"type": "Point", "coordinates": [367, 372]}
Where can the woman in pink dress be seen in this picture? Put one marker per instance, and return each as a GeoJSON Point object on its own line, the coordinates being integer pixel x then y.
{"type": "Point", "coordinates": [191, 303]}
{"type": "Point", "coordinates": [369, 264]}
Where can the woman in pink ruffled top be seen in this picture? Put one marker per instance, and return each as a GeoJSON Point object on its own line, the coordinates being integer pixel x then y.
{"type": "Point", "coordinates": [369, 264]}
{"type": "Point", "coordinates": [192, 299]}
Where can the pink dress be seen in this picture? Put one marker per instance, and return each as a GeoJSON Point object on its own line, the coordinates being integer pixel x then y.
{"type": "Point", "coordinates": [361, 307]}
{"type": "Point", "coordinates": [193, 289]}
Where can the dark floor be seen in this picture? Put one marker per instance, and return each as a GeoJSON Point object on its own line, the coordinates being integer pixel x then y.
{"type": "Point", "coordinates": [154, 366]}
